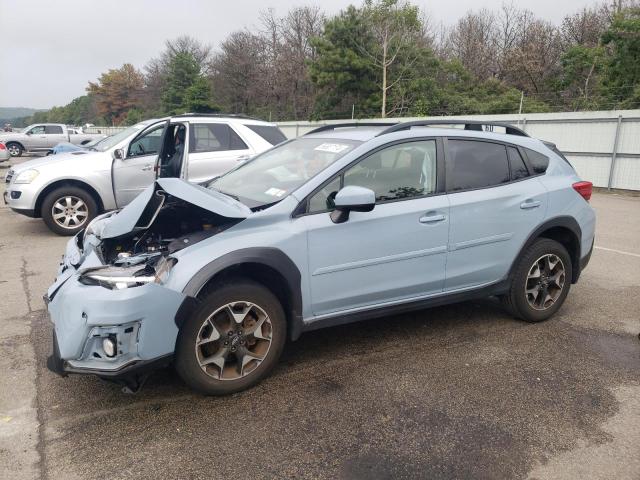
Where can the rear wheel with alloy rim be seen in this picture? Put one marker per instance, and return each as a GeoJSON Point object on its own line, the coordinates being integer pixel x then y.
{"type": "Point", "coordinates": [67, 210]}
{"type": "Point", "coordinates": [233, 340]}
{"type": "Point", "coordinates": [541, 281]}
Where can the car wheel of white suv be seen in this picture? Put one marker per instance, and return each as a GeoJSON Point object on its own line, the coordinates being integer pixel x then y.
{"type": "Point", "coordinates": [541, 281]}
{"type": "Point", "coordinates": [233, 340]}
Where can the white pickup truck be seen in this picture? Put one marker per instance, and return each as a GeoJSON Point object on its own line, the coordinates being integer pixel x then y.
{"type": "Point", "coordinates": [42, 137]}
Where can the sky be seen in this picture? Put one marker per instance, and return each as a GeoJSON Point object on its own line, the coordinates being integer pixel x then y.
{"type": "Point", "coordinates": [50, 50]}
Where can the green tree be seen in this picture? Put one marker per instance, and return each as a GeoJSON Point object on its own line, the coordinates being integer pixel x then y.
{"type": "Point", "coordinates": [622, 71]}
{"type": "Point", "coordinates": [340, 73]}
{"type": "Point", "coordinates": [394, 44]}
{"type": "Point", "coordinates": [186, 89]}
{"type": "Point", "coordinates": [197, 97]}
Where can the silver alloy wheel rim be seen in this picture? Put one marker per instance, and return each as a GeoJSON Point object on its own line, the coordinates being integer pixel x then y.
{"type": "Point", "coordinates": [545, 282]}
{"type": "Point", "coordinates": [69, 212]}
{"type": "Point", "coordinates": [13, 150]}
{"type": "Point", "coordinates": [233, 341]}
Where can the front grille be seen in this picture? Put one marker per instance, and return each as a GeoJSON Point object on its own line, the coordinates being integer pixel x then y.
{"type": "Point", "coordinates": [8, 176]}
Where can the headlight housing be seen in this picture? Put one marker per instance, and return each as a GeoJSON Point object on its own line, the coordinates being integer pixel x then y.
{"type": "Point", "coordinates": [27, 176]}
{"type": "Point", "coordinates": [118, 278]}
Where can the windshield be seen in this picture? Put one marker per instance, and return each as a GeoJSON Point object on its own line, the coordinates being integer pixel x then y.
{"type": "Point", "coordinates": [271, 176]}
{"type": "Point", "coordinates": [115, 139]}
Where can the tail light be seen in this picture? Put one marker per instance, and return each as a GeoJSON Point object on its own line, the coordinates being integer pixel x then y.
{"type": "Point", "coordinates": [2, 147]}
{"type": "Point", "coordinates": [584, 189]}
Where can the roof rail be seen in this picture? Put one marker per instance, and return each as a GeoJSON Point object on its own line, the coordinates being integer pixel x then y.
{"type": "Point", "coordinates": [217, 115]}
{"type": "Point", "coordinates": [333, 126]}
{"type": "Point", "coordinates": [468, 125]}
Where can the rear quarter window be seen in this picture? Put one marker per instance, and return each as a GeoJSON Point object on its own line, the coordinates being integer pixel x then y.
{"type": "Point", "coordinates": [537, 161]}
{"type": "Point", "coordinates": [271, 134]}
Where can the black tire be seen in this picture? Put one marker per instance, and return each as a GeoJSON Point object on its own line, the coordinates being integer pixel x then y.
{"type": "Point", "coordinates": [15, 149]}
{"type": "Point", "coordinates": [60, 195]}
{"type": "Point", "coordinates": [517, 302]}
{"type": "Point", "coordinates": [187, 363]}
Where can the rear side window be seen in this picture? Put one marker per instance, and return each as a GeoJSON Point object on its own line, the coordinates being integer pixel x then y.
{"type": "Point", "coordinates": [214, 137]}
{"type": "Point", "coordinates": [538, 161]}
{"type": "Point", "coordinates": [56, 129]}
{"type": "Point", "coordinates": [518, 168]}
{"type": "Point", "coordinates": [473, 164]}
{"type": "Point", "coordinates": [271, 134]}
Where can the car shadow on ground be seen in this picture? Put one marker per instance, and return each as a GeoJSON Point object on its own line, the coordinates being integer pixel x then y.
{"type": "Point", "coordinates": [451, 325]}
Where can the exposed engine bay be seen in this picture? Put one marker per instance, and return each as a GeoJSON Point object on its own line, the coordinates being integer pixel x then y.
{"type": "Point", "coordinates": [167, 225]}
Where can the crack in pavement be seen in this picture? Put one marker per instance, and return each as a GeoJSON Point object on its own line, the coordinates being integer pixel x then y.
{"type": "Point", "coordinates": [24, 274]}
{"type": "Point", "coordinates": [36, 403]}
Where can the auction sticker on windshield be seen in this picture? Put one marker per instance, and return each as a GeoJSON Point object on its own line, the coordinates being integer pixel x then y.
{"type": "Point", "coordinates": [332, 147]}
{"type": "Point", "coordinates": [275, 192]}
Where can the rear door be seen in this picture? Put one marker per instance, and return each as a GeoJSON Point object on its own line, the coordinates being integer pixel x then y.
{"type": "Point", "coordinates": [214, 148]}
{"type": "Point", "coordinates": [54, 135]}
{"type": "Point", "coordinates": [495, 203]}
{"type": "Point", "coordinates": [135, 171]}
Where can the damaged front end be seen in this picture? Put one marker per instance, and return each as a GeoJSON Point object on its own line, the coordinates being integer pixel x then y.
{"type": "Point", "coordinates": [112, 310]}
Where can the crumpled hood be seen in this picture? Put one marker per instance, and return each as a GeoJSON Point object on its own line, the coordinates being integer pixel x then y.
{"type": "Point", "coordinates": [141, 212]}
{"type": "Point", "coordinates": [68, 157]}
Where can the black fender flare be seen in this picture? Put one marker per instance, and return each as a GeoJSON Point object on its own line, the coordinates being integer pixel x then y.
{"type": "Point", "coordinates": [268, 256]}
{"type": "Point", "coordinates": [567, 222]}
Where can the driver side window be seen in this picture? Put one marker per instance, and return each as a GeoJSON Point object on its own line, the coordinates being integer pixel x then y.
{"type": "Point", "coordinates": [402, 171]}
{"type": "Point", "coordinates": [147, 144]}
{"type": "Point", "coordinates": [37, 130]}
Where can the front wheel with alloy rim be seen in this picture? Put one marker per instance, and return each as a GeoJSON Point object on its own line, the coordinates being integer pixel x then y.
{"type": "Point", "coordinates": [15, 149]}
{"type": "Point", "coordinates": [67, 210]}
{"type": "Point", "coordinates": [233, 340]}
{"type": "Point", "coordinates": [541, 281]}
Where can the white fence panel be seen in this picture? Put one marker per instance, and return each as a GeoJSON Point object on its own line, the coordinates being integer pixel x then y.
{"type": "Point", "coordinates": [592, 168]}
{"type": "Point", "coordinates": [587, 138]}
{"type": "Point", "coordinates": [626, 174]}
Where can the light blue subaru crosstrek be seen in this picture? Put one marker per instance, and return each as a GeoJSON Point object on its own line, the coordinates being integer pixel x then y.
{"type": "Point", "coordinates": [343, 224]}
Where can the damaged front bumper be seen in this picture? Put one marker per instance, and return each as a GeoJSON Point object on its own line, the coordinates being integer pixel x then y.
{"type": "Point", "coordinates": [139, 320]}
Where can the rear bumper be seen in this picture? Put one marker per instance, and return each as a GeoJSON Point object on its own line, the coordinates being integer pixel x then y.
{"type": "Point", "coordinates": [584, 261]}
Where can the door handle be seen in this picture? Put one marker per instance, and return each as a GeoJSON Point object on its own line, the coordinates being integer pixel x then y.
{"type": "Point", "coordinates": [148, 167]}
{"type": "Point", "coordinates": [527, 204]}
{"type": "Point", "coordinates": [431, 218]}
{"type": "Point", "coordinates": [243, 157]}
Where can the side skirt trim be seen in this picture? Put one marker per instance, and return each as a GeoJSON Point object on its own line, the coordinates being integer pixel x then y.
{"type": "Point", "coordinates": [498, 288]}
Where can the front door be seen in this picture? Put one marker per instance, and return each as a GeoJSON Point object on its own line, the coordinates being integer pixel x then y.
{"type": "Point", "coordinates": [395, 253]}
{"type": "Point", "coordinates": [135, 172]}
{"type": "Point", "coordinates": [36, 138]}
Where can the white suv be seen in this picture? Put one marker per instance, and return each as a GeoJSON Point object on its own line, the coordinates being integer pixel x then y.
{"type": "Point", "coordinates": [68, 190]}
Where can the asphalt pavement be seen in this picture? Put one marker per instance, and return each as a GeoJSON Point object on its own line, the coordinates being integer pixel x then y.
{"type": "Point", "coordinates": [461, 391]}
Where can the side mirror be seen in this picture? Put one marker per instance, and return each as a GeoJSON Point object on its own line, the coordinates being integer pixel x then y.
{"type": "Point", "coordinates": [29, 133]}
{"type": "Point", "coordinates": [352, 198]}
{"type": "Point", "coordinates": [118, 154]}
